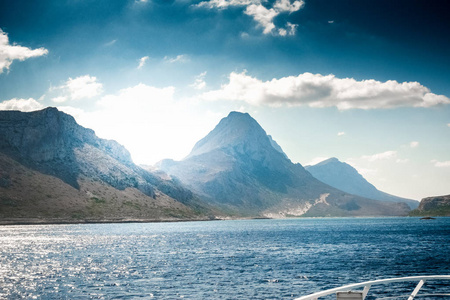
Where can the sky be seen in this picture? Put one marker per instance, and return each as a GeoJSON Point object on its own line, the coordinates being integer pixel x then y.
{"type": "Point", "coordinates": [367, 82]}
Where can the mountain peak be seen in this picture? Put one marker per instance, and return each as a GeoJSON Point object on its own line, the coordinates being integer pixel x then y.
{"type": "Point", "coordinates": [239, 167]}
{"type": "Point", "coordinates": [241, 116]}
{"type": "Point", "coordinates": [237, 130]}
{"type": "Point", "coordinates": [329, 160]}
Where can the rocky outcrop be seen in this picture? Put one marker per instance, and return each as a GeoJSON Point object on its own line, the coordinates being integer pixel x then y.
{"type": "Point", "coordinates": [239, 168]}
{"type": "Point", "coordinates": [47, 140]}
{"type": "Point", "coordinates": [433, 206]}
{"type": "Point", "coordinates": [71, 167]}
{"type": "Point", "coordinates": [346, 178]}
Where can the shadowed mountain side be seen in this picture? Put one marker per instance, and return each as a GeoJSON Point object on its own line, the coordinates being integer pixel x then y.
{"type": "Point", "coordinates": [237, 168]}
{"type": "Point", "coordinates": [51, 166]}
{"type": "Point", "coordinates": [346, 178]}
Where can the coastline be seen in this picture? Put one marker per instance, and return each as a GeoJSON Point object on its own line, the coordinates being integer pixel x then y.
{"type": "Point", "coordinates": [56, 221]}
{"type": "Point", "coordinates": [36, 221]}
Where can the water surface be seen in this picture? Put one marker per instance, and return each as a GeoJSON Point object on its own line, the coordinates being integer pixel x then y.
{"type": "Point", "coordinates": [249, 259]}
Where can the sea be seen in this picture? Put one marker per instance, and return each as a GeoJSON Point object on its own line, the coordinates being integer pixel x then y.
{"type": "Point", "coordinates": [233, 259]}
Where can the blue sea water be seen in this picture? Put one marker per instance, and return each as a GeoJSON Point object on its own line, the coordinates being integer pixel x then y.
{"type": "Point", "coordinates": [244, 259]}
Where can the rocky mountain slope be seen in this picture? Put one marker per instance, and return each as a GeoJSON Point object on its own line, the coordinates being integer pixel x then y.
{"type": "Point", "coordinates": [433, 206]}
{"type": "Point", "coordinates": [346, 178]}
{"type": "Point", "coordinates": [240, 169]}
{"type": "Point", "coordinates": [51, 168]}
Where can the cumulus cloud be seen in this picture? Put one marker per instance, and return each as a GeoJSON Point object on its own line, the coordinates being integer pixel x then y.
{"type": "Point", "coordinates": [82, 87]}
{"type": "Point", "coordinates": [341, 133]}
{"type": "Point", "coordinates": [316, 90]}
{"type": "Point", "coordinates": [142, 61]}
{"type": "Point", "coordinates": [262, 15]}
{"type": "Point", "coordinates": [9, 53]}
{"type": "Point", "coordinates": [21, 104]}
{"type": "Point", "coordinates": [441, 164]}
{"type": "Point", "coordinates": [199, 82]}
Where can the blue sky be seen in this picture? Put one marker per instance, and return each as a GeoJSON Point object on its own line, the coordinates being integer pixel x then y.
{"type": "Point", "coordinates": [365, 81]}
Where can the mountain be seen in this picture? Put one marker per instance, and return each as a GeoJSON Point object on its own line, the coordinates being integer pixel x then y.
{"type": "Point", "coordinates": [51, 168]}
{"type": "Point", "coordinates": [346, 178]}
{"type": "Point", "coordinates": [433, 206]}
{"type": "Point", "coordinates": [240, 169]}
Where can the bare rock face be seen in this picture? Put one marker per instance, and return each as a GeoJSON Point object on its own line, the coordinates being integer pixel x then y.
{"type": "Point", "coordinates": [53, 143]}
{"type": "Point", "coordinates": [48, 135]}
{"type": "Point", "coordinates": [433, 206]}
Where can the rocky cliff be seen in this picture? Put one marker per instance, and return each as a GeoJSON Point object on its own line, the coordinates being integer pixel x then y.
{"type": "Point", "coordinates": [433, 206]}
{"type": "Point", "coordinates": [51, 167]}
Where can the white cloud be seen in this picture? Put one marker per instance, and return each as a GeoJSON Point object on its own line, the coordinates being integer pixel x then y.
{"type": "Point", "coordinates": [414, 144]}
{"type": "Point", "coordinates": [199, 82]}
{"type": "Point", "coordinates": [9, 53]}
{"type": "Point", "coordinates": [292, 28]}
{"type": "Point", "coordinates": [316, 90]}
{"type": "Point", "coordinates": [179, 58]}
{"type": "Point", "coordinates": [287, 6]}
{"type": "Point", "coordinates": [222, 4]}
{"type": "Point", "coordinates": [441, 164]}
{"type": "Point", "coordinates": [73, 111]}
{"type": "Point", "coordinates": [261, 14]}
{"type": "Point", "coordinates": [380, 156]}
{"type": "Point", "coordinates": [341, 133]}
{"type": "Point", "coordinates": [142, 61]}
{"type": "Point", "coordinates": [448, 125]}
{"type": "Point", "coordinates": [82, 87]}
{"type": "Point", "coordinates": [21, 104]}
{"type": "Point", "coordinates": [59, 99]}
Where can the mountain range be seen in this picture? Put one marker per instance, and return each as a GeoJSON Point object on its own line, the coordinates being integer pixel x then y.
{"type": "Point", "coordinates": [243, 171]}
{"type": "Point", "coordinates": [346, 178]}
{"type": "Point", "coordinates": [54, 170]}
